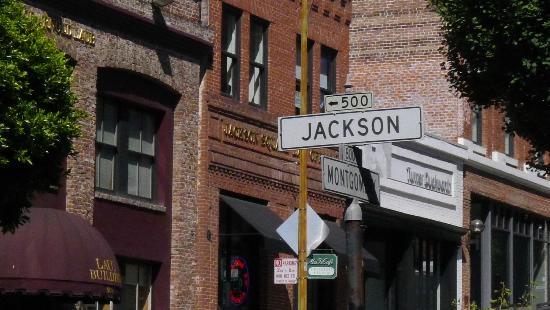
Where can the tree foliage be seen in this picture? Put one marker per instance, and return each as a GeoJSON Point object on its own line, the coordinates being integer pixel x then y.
{"type": "Point", "coordinates": [498, 54]}
{"type": "Point", "coordinates": [38, 119]}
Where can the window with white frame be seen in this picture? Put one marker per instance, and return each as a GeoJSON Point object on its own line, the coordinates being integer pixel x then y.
{"type": "Point", "coordinates": [125, 142]}
{"type": "Point", "coordinates": [230, 71]}
{"type": "Point", "coordinates": [257, 85]}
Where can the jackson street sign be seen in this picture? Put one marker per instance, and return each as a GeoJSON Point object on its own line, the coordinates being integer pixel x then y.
{"type": "Point", "coordinates": [349, 127]}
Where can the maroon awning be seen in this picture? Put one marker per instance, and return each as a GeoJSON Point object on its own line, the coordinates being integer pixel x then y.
{"type": "Point", "coordinates": [57, 253]}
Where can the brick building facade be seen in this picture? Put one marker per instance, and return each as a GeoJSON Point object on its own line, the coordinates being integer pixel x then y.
{"type": "Point", "coordinates": [238, 153]}
{"type": "Point", "coordinates": [137, 74]}
{"type": "Point", "coordinates": [394, 52]}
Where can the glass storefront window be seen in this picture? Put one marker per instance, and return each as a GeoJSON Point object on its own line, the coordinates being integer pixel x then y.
{"type": "Point", "coordinates": [521, 287]}
{"type": "Point", "coordinates": [540, 271]}
{"type": "Point", "coordinates": [499, 260]}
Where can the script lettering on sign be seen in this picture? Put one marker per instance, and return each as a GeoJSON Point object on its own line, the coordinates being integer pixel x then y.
{"type": "Point", "coordinates": [423, 176]}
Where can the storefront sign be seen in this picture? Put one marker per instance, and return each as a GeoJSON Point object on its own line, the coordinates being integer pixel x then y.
{"type": "Point", "coordinates": [285, 270]}
{"type": "Point", "coordinates": [423, 176]}
{"type": "Point", "coordinates": [322, 266]}
{"type": "Point", "coordinates": [105, 270]}
{"type": "Point", "coordinates": [67, 28]}
{"type": "Point", "coordinates": [239, 280]}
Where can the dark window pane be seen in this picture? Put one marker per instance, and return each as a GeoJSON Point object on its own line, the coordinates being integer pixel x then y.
{"type": "Point", "coordinates": [521, 269]}
{"type": "Point", "coordinates": [540, 271]}
{"type": "Point", "coordinates": [499, 260]}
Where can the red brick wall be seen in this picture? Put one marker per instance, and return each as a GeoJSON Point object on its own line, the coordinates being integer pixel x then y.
{"type": "Point", "coordinates": [249, 167]}
{"type": "Point", "coordinates": [394, 52]}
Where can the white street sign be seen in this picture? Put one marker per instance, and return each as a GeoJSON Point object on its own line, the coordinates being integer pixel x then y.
{"type": "Point", "coordinates": [317, 230]}
{"type": "Point", "coordinates": [285, 270]}
{"type": "Point", "coordinates": [350, 180]}
{"type": "Point", "coordinates": [340, 102]}
{"type": "Point", "coordinates": [349, 127]}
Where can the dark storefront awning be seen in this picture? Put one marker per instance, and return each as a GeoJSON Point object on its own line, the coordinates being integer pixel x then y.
{"type": "Point", "coordinates": [257, 215]}
{"type": "Point", "coordinates": [337, 241]}
{"type": "Point", "coordinates": [58, 254]}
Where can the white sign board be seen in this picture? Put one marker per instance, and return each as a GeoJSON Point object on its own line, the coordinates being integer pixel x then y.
{"type": "Point", "coordinates": [340, 102]}
{"type": "Point", "coordinates": [355, 127]}
{"type": "Point", "coordinates": [350, 180]}
{"type": "Point", "coordinates": [421, 175]}
{"type": "Point", "coordinates": [317, 230]}
{"type": "Point", "coordinates": [285, 270]}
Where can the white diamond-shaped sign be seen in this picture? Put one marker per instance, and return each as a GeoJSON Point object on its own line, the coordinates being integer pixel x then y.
{"type": "Point", "coordinates": [317, 230]}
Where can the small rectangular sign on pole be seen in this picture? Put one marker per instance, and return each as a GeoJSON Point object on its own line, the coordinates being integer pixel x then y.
{"type": "Point", "coordinates": [322, 266]}
{"type": "Point", "coordinates": [285, 270]}
{"type": "Point", "coordinates": [350, 180]}
{"type": "Point", "coordinates": [349, 127]}
{"type": "Point", "coordinates": [348, 101]}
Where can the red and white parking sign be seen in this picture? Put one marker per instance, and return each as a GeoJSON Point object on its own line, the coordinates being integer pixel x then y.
{"type": "Point", "coordinates": [285, 270]}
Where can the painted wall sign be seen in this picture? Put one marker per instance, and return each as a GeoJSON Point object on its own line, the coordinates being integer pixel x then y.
{"type": "Point", "coordinates": [356, 127]}
{"type": "Point", "coordinates": [239, 280]}
{"type": "Point", "coordinates": [422, 175]}
{"type": "Point", "coordinates": [252, 137]}
{"type": "Point", "coordinates": [67, 28]}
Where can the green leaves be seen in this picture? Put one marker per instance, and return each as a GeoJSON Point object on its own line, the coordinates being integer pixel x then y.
{"type": "Point", "coordinates": [498, 54]}
{"type": "Point", "coordinates": [38, 120]}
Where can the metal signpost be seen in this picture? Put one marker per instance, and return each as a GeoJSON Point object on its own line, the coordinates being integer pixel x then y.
{"type": "Point", "coordinates": [350, 127]}
{"type": "Point", "coordinates": [348, 101]}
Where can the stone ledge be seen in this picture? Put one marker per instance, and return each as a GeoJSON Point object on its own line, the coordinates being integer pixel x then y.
{"type": "Point", "coordinates": [132, 202]}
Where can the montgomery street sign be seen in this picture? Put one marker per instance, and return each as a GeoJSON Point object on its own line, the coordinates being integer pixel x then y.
{"type": "Point", "coordinates": [350, 180]}
{"type": "Point", "coordinates": [340, 102]}
{"type": "Point", "coordinates": [322, 266]}
{"type": "Point", "coordinates": [349, 127]}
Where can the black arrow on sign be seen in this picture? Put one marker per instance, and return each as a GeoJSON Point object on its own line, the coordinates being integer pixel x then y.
{"type": "Point", "coordinates": [333, 103]}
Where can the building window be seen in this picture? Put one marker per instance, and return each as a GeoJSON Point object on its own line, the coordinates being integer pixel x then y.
{"type": "Point", "coordinates": [477, 126]}
{"type": "Point", "coordinates": [125, 140]}
{"type": "Point", "coordinates": [257, 85]}
{"type": "Point", "coordinates": [516, 250]}
{"type": "Point", "coordinates": [328, 74]}
{"type": "Point", "coordinates": [136, 290]}
{"type": "Point", "coordinates": [231, 41]}
{"type": "Point", "coordinates": [298, 72]}
{"type": "Point", "coordinates": [509, 144]}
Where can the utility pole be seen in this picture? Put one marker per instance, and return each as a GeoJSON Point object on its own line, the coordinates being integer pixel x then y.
{"type": "Point", "coordinates": [353, 218]}
{"type": "Point", "coordinates": [354, 245]}
{"type": "Point", "coordinates": [302, 219]}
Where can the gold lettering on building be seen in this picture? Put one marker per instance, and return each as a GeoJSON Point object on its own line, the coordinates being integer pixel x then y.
{"type": "Point", "coordinates": [67, 28]}
{"type": "Point", "coordinates": [105, 270]}
{"type": "Point", "coordinates": [266, 141]}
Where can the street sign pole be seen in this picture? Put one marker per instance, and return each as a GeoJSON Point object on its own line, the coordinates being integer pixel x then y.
{"type": "Point", "coordinates": [302, 220]}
